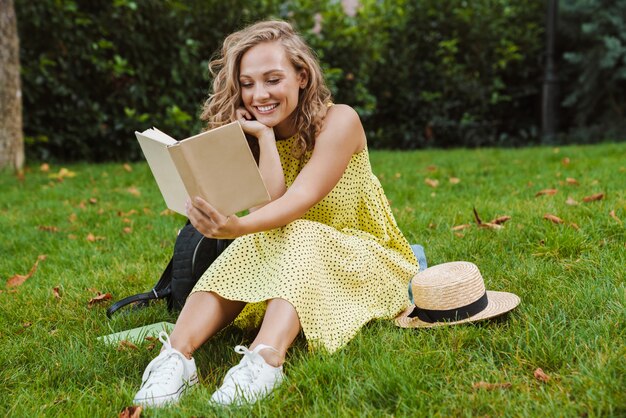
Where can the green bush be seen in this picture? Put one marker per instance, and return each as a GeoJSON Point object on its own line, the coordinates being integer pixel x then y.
{"type": "Point", "coordinates": [594, 68]}
{"type": "Point", "coordinates": [459, 73]}
{"type": "Point", "coordinates": [95, 71]}
{"type": "Point", "coordinates": [420, 73]}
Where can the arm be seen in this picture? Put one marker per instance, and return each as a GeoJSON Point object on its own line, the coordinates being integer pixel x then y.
{"type": "Point", "coordinates": [341, 137]}
{"type": "Point", "coordinates": [269, 160]}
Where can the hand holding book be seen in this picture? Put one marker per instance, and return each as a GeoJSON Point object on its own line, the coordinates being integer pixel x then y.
{"type": "Point", "coordinates": [216, 165]}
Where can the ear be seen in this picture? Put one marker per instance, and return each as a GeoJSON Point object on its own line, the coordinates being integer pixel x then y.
{"type": "Point", "coordinates": [303, 78]}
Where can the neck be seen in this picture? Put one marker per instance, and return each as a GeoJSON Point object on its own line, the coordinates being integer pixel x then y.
{"type": "Point", "coordinates": [285, 129]}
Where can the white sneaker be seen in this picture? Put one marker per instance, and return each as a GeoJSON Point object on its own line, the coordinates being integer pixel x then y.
{"type": "Point", "coordinates": [250, 380]}
{"type": "Point", "coordinates": [166, 377]}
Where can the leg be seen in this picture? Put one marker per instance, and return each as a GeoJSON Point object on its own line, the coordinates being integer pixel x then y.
{"type": "Point", "coordinates": [279, 329]}
{"type": "Point", "coordinates": [204, 314]}
{"type": "Point", "coordinates": [260, 370]}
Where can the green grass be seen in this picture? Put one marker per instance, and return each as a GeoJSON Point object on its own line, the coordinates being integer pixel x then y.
{"type": "Point", "coordinates": [571, 321]}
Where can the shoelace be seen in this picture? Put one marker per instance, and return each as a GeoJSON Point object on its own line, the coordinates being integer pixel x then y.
{"type": "Point", "coordinates": [249, 367]}
{"type": "Point", "coordinates": [163, 369]}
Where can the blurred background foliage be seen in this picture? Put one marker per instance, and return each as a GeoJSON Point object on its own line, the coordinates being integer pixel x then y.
{"type": "Point", "coordinates": [421, 73]}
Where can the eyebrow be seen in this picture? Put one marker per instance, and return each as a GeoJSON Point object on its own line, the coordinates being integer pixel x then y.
{"type": "Point", "coordinates": [265, 73]}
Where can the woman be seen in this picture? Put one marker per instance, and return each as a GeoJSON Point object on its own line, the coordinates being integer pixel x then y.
{"type": "Point", "coordinates": [324, 256]}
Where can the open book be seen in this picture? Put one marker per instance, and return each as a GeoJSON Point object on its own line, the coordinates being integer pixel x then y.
{"type": "Point", "coordinates": [216, 165]}
{"type": "Point", "coordinates": [138, 335]}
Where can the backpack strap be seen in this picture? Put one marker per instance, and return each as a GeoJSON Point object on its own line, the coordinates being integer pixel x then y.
{"type": "Point", "coordinates": [159, 291]}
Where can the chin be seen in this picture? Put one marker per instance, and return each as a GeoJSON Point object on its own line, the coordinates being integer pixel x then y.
{"type": "Point", "coordinates": [270, 122]}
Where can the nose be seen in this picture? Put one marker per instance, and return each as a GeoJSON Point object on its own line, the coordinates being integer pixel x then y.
{"type": "Point", "coordinates": [260, 92]}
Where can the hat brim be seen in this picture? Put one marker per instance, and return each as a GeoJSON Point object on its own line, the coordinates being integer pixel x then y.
{"type": "Point", "coordinates": [499, 304]}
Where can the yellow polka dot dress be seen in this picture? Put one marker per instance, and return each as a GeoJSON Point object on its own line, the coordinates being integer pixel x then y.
{"type": "Point", "coordinates": [344, 263]}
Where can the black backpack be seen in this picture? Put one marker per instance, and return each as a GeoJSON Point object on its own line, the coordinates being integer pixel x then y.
{"type": "Point", "coordinates": [193, 254]}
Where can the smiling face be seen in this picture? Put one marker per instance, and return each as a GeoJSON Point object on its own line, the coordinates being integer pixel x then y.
{"type": "Point", "coordinates": [270, 86]}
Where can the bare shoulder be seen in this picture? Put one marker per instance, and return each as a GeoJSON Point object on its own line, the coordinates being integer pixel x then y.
{"type": "Point", "coordinates": [343, 127]}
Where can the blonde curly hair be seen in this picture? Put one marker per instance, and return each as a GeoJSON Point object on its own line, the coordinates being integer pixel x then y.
{"type": "Point", "coordinates": [219, 109]}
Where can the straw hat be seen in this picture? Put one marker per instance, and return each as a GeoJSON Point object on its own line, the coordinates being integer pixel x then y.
{"type": "Point", "coordinates": [452, 293]}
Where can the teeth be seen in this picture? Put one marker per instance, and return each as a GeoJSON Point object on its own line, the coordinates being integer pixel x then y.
{"type": "Point", "coordinates": [266, 108]}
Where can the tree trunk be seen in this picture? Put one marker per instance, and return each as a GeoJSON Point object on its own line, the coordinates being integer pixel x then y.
{"type": "Point", "coordinates": [11, 137]}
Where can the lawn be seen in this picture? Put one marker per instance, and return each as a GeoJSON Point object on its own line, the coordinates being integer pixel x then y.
{"type": "Point", "coordinates": [101, 229]}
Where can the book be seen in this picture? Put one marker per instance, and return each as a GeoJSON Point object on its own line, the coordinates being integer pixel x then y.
{"type": "Point", "coordinates": [137, 335]}
{"type": "Point", "coordinates": [216, 165]}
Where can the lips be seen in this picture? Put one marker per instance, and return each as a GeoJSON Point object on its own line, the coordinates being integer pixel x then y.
{"type": "Point", "coordinates": [266, 108]}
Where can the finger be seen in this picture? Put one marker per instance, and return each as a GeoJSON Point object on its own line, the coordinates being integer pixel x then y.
{"type": "Point", "coordinates": [242, 113]}
{"type": "Point", "coordinates": [208, 210]}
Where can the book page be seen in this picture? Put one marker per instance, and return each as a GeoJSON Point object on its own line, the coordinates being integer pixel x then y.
{"type": "Point", "coordinates": [154, 145]}
{"type": "Point", "coordinates": [137, 335]}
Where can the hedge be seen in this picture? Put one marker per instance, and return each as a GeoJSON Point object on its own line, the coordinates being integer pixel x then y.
{"type": "Point", "coordinates": [420, 73]}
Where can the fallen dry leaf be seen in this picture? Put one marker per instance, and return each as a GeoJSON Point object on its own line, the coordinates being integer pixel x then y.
{"type": "Point", "coordinates": [565, 161]}
{"type": "Point", "coordinates": [490, 225]}
{"type": "Point", "coordinates": [461, 227]}
{"type": "Point", "coordinates": [168, 212]}
{"type": "Point", "coordinates": [482, 224]}
{"type": "Point", "coordinates": [55, 292]}
{"type": "Point", "coordinates": [62, 174]}
{"type": "Point", "coordinates": [431, 182]}
{"type": "Point", "coordinates": [128, 230]}
{"type": "Point", "coordinates": [93, 200]}
{"type": "Point", "coordinates": [100, 298]}
{"type": "Point", "coordinates": [126, 344]}
{"type": "Point", "coordinates": [500, 219]}
{"type": "Point", "coordinates": [553, 218]}
{"type": "Point", "coordinates": [127, 167]}
{"type": "Point", "coordinates": [131, 412]}
{"type": "Point", "coordinates": [134, 191]}
{"type": "Point", "coordinates": [454, 180]}
{"type": "Point", "coordinates": [548, 192]}
{"type": "Point", "coordinates": [26, 324]}
{"type": "Point", "coordinates": [491, 386]}
{"type": "Point", "coordinates": [150, 346]}
{"type": "Point", "coordinates": [571, 201]}
{"type": "Point", "coordinates": [431, 168]}
{"type": "Point", "coordinates": [397, 175]}
{"type": "Point", "coordinates": [18, 279]}
{"type": "Point", "coordinates": [614, 216]}
{"type": "Point", "coordinates": [540, 375]}
{"type": "Point", "coordinates": [571, 180]}
{"type": "Point", "coordinates": [72, 218]}
{"type": "Point", "coordinates": [44, 168]}
{"type": "Point", "coordinates": [478, 220]}
{"type": "Point", "coordinates": [125, 214]}
{"type": "Point", "coordinates": [48, 228]}
{"type": "Point", "coordinates": [597, 196]}
{"type": "Point", "coordinates": [92, 238]}
{"type": "Point", "coordinates": [574, 225]}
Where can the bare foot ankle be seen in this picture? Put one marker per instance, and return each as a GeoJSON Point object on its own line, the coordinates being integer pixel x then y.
{"type": "Point", "coordinates": [271, 357]}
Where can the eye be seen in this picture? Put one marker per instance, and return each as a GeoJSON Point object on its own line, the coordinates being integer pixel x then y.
{"type": "Point", "coordinates": [273, 80]}
{"type": "Point", "coordinates": [245, 84]}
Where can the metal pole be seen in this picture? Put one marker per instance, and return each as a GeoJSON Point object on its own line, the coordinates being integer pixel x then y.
{"type": "Point", "coordinates": [549, 102]}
